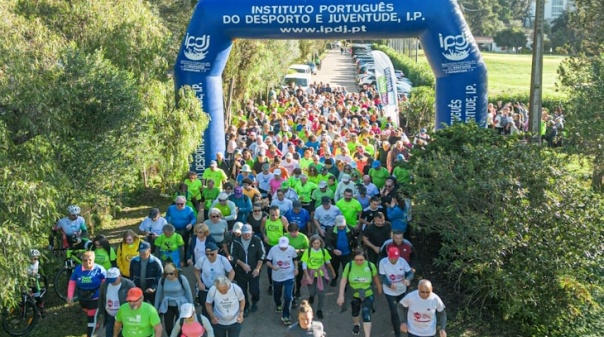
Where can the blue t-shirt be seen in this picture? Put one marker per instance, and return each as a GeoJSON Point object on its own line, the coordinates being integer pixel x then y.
{"type": "Point", "coordinates": [342, 242]}
{"type": "Point", "coordinates": [89, 279]}
{"type": "Point", "coordinates": [180, 218]}
{"type": "Point", "coordinates": [301, 218]}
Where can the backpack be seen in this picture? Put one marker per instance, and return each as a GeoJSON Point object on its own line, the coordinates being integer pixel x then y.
{"type": "Point", "coordinates": [308, 253]}
{"type": "Point", "coordinates": [349, 265]}
{"type": "Point", "coordinates": [163, 280]}
{"type": "Point", "coordinates": [182, 321]}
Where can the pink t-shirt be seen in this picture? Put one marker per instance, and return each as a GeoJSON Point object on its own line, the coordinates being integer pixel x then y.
{"type": "Point", "coordinates": [193, 329]}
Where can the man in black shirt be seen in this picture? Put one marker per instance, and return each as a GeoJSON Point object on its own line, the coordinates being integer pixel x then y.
{"type": "Point", "coordinates": [375, 235]}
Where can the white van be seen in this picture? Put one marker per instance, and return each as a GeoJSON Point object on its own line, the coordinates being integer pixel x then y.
{"type": "Point", "coordinates": [300, 68]}
{"type": "Point", "coordinates": [297, 80]}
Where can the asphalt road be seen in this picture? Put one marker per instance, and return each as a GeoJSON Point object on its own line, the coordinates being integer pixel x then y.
{"type": "Point", "coordinates": [337, 70]}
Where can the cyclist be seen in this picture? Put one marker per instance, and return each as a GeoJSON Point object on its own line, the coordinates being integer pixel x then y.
{"type": "Point", "coordinates": [72, 228]}
{"type": "Point", "coordinates": [34, 271]}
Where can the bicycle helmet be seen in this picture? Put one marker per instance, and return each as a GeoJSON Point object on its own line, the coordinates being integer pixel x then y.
{"type": "Point", "coordinates": [34, 253]}
{"type": "Point", "coordinates": [73, 209]}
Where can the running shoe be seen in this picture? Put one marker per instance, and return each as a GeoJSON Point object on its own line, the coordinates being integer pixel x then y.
{"type": "Point", "coordinates": [279, 309]}
{"type": "Point", "coordinates": [286, 321]}
{"type": "Point", "coordinates": [356, 329]}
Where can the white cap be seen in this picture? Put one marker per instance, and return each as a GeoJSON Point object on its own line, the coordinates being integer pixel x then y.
{"type": "Point", "coordinates": [113, 273]}
{"type": "Point", "coordinates": [223, 196]}
{"type": "Point", "coordinates": [277, 172]}
{"type": "Point", "coordinates": [345, 178]}
{"type": "Point", "coordinates": [283, 242]}
{"type": "Point", "coordinates": [187, 310]}
{"type": "Point", "coordinates": [340, 220]}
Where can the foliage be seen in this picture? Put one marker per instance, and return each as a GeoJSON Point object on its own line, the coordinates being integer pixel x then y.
{"type": "Point", "coordinates": [586, 22]}
{"type": "Point", "coordinates": [487, 17]}
{"type": "Point", "coordinates": [419, 74]}
{"type": "Point", "coordinates": [561, 34]}
{"type": "Point", "coordinates": [519, 233]}
{"type": "Point", "coordinates": [511, 38]}
{"type": "Point", "coordinates": [419, 109]}
{"type": "Point", "coordinates": [175, 129]}
{"type": "Point", "coordinates": [583, 77]}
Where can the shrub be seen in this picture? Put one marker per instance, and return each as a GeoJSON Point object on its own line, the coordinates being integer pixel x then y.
{"type": "Point", "coordinates": [518, 231]}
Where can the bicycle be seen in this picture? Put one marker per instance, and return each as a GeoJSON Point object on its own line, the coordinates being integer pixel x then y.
{"type": "Point", "coordinates": [61, 279]}
{"type": "Point", "coordinates": [22, 318]}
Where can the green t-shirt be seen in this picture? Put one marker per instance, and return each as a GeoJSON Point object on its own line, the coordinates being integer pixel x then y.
{"type": "Point", "coordinates": [194, 188]}
{"type": "Point", "coordinates": [315, 259]}
{"type": "Point", "coordinates": [402, 175]}
{"type": "Point", "coordinates": [101, 257]}
{"type": "Point", "coordinates": [350, 210]}
{"type": "Point", "coordinates": [224, 209]}
{"type": "Point", "coordinates": [318, 194]}
{"type": "Point", "coordinates": [352, 147]}
{"type": "Point", "coordinates": [293, 181]}
{"type": "Point", "coordinates": [305, 191]}
{"type": "Point", "coordinates": [369, 149]}
{"type": "Point", "coordinates": [218, 176]}
{"type": "Point", "coordinates": [209, 195]}
{"type": "Point", "coordinates": [305, 163]}
{"type": "Point", "coordinates": [299, 242]}
{"type": "Point", "coordinates": [169, 244]}
{"type": "Point", "coordinates": [378, 177]}
{"type": "Point", "coordinates": [360, 277]}
{"type": "Point", "coordinates": [274, 230]}
{"type": "Point", "coordinates": [139, 322]}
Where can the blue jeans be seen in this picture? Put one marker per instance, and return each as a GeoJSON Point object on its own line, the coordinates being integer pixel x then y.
{"type": "Point", "coordinates": [286, 289]}
{"type": "Point", "coordinates": [232, 330]}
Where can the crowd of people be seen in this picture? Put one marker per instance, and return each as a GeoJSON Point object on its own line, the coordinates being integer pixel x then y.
{"type": "Point", "coordinates": [312, 188]}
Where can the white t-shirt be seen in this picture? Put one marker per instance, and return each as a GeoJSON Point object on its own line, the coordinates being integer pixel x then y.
{"type": "Point", "coordinates": [327, 217]}
{"type": "Point", "coordinates": [112, 304]}
{"type": "Point", "coordinates": [210, 271]}
{"type": "Point", "coordinates": [148, 225]}
{"type": "Point", "coordinates": [264, 181]}
{"type": "Point", "coordinates": [284, 260]}
{"type": "Point", "coordinates": [421, 317]}
{"type": "Point", "coordinates": [200, 249]}
{"type": "Point", "coordinates": [226, 306]}
{"type": "Point", "coordinates": [396, 274]}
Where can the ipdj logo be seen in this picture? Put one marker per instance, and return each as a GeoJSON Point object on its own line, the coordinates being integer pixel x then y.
{"type": "Point", "coordinates": [455, 46]}
{"type": "Point", "coordinates": [195, 47]}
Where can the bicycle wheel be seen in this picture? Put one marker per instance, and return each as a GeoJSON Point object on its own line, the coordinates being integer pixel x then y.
{"type": "Point", "coordinates": [61, 282]}
{"type": "Point", "coordinates": [22, 319]}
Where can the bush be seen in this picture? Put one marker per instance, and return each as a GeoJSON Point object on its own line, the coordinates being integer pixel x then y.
{"type": "Point", "coordinates": [519, 232]}
{"type": "Point", "coordinates": [419, 109]}
{"type": "Point", "coordinates": [550, 102]}
{"type": "Point", "coordinates": [419, 74]}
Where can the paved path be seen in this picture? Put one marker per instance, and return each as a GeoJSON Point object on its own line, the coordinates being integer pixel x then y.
{"type": "Point", "coordinates": [337, 70]}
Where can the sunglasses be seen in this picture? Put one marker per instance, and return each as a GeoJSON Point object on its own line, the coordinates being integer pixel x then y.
{"type": "Point", "coordinates": [169, 274]}
{"type": "Point", "coordinates": [257, 210]}
{"type": "Point", "coordinates": [210, 254]}
{"type": "Point", "coordinates": [215, 216]}
{"type": "Point", "coordinates": [424, 292]}
{"type": "Point", "coordinates": [179, 204]}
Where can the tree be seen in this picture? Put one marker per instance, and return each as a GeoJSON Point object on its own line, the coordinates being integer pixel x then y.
{"type": "Point", "coordinates": [511, 38]}
{"type": "Point", "coordinates": [419, 109]}
{"type": "Point", "coordinates": [520, 235]}
{"type": "Point", "coordinates": [561, 35]}
{"type": "Point", "coordinates": [481, 16]}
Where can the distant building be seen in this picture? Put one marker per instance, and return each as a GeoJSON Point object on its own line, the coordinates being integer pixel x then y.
{"type": "Point", "coordinates": [553, 9]}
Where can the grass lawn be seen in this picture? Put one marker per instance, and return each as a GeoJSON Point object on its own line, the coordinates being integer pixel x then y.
{"type": "Point", "coordinates": [511, 73]}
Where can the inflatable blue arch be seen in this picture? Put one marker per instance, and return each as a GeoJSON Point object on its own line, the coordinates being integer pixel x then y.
{"type": "Point", "coordinates": [461, 75]}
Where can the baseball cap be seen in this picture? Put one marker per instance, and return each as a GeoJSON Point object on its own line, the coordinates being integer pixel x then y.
{"type": "Point", "coordinates": [340, 220]}
{"type": "Point", "coordinates": [238, 191]}
{"type": "Point", "coordinates": [211, 246]}
{"type": "Point", "coordinates": [265, 166]}
{"type": "Point", "coordinates": [112, 275]}
{"type": "Point", "coordinates": [323, 169]}
{"type": "Point", "coordinates": [134, 294]}
{"type": "Point", "coordinates": [277, 172]}
{"type": "Point", "coordinates": [325, 200]}
{"type": "Point", "coordinates": [246, 168]}
{"type": "Point", "coordinates": [283, 242]}
{"type": "Point", "coordinates": [400, 157]}
{"type": "Point", "coordinates": [187, 310]}
{"type": "Point", "coordinates": [393, 253]}
{"type": "Point", "coordinates": [144, 245]}
{"type": "Point", "coordinates": [289, 156]}
{"type": "Point", "coordinates": [328, 161]}
{"type": "Point", "coordinates": [223, 196]}
{"type": "Point", "coordinates": [213, 163]}
{"type": "Point", "coordinates": [346, 178]}
{"type": "Point", "coordinates": [376, 164]}
{"type": "Point", "coordinates": [423, 130]}
{"type": "Point", "coordinates": [247, 229]}
{"type": "Point", "coordinates": [353, 165]}
{"type": "Point", "coordinates": [296, 204]}
{"type": "Point", "coordinates": [322, 184]}
{"type": "Point", "coordinates": [153, 213]}
{"type": "Point", "coordinates": [237, 227]}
